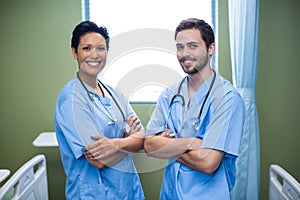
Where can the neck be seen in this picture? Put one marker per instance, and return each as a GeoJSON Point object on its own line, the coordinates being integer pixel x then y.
{"type": "Point", "coordinates": [197, 79]}
{"type": "Point", "coordinates": [91, 81]}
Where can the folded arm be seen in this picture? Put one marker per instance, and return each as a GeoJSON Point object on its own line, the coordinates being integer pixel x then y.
{"type": "Point", "coordinates": [164, 146]}
{"type": "Point", "coordinates": [188, 151]}
{"type": "Point", "coordinates": [107, 152]}
{"type": "Point", "coordinates": [204, 160]}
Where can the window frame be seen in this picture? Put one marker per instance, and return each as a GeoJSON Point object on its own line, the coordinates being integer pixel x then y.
{"type": "Point", "coordinates": [214, 19]}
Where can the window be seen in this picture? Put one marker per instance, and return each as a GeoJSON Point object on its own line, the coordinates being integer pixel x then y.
{"type": "Point", "coordinates": [142, 57]}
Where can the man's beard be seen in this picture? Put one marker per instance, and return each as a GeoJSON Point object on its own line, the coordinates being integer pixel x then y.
{"type": "Point", "coordinates": [196, 69]}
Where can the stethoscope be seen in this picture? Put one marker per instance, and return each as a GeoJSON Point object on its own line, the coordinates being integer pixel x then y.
{"type": "Point", "coordinates": [107, 113]}
{"type": "Point", "coordinates": [196, 124]}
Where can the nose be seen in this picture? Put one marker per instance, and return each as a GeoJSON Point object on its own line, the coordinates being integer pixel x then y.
{"type": "Point", "coordinates": [94, 53]}
{"type": "Point", "coordinates": [184, 52]}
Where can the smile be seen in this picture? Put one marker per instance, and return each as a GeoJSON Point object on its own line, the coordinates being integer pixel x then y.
{"type": "Point", "coordinates": [93, 63]}
{"type": "Point", "coordinates": [187, 63]}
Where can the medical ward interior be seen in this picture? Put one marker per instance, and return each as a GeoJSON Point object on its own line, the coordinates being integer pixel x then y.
{"type": "Point", "coordinates": [36, 61]}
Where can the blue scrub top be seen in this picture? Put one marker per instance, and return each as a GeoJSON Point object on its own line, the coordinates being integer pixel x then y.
{"type": "Point", "coordinates": [221, 128]}
{"type": "Point", "coordinates": [76, 119]}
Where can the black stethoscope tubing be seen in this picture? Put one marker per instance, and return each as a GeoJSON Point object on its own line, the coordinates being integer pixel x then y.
{"type": "Point", "coordinates": [110, 94]}
{"type": "Point", "coordinates": [182, 98]}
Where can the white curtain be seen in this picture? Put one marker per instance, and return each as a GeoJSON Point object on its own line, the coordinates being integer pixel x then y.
{"type": "Point", "coordinates": [243, 30]}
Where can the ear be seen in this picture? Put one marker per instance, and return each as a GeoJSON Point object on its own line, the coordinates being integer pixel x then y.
{"type": "Point", "coordinates": [74, 53]}
{"type": "Point", "coordinates": [211, 49]}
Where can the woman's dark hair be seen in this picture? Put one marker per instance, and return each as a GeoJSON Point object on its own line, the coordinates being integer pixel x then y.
{"type": "Point", "coordinates": [88, 27]}
{"type": "Point", "coordinates": [205, 29]}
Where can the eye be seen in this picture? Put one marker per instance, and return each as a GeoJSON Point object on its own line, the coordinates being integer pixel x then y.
{"type": "Point", "coordinates": [193, 46]}
{"type": "Point", "coordinates": [179, 47]}
{"type": "Point", "coordinates": [101, 48]}
{"type": "Point", "coordinates": [86, 48]}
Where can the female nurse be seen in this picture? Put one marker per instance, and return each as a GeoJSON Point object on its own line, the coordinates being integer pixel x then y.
{"type": "Point", "coordinates": [96, 128]}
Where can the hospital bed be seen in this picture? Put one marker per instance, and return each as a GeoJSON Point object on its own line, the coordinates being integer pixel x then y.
{"type": "Point", "coordinates": [29, 182]}
{"type": "Point", "coordinates": [282, 186]}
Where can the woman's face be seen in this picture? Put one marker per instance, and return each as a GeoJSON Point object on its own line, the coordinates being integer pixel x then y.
{"type": "Point", "coordinates": [91, 54]}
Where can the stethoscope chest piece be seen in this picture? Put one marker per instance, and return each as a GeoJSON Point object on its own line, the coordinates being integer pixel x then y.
{"type": "Point", "coordinates": [196, 125]}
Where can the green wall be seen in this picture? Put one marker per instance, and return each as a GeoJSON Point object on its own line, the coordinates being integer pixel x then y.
{"type": "Point", "coordinates": [36, 61]}
{"type": "Point", "coordinates": [278, 84]}
{"type": "Point", "coordinates": [277, 92]}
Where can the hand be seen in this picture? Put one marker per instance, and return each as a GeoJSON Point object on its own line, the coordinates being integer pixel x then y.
{"type": "Point", "coordinates": [195, 144]}
{"type": "Point", "coordinates": [134, 125]}
{"type": "Point", "coordinates": [102, 149]}
{"type": "Point", "coordinates": [167, 133]}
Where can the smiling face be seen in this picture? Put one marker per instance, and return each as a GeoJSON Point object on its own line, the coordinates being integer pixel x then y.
{"type": "Point", "coordinates": [192, 53]}
{"type": "Point", "coordinates": [90, 55]}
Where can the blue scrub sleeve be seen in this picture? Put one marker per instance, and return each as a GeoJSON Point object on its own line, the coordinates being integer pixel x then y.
{"type": "Point", "coordinates": [157, 122]}
{"type": "Point", "coordinates": [76, 123]}
{"type": "Point", "coordinates": [226, 126]}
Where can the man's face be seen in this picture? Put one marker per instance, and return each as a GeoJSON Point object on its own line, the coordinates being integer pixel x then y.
{"type": "Point", "coordinates": [192, 52]}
